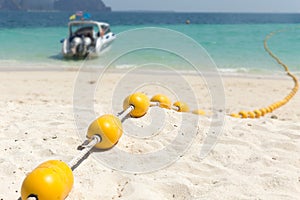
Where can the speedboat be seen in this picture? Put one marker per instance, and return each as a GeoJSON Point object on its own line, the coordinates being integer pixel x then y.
{"type": "Point", "coordinates": [87, 38]}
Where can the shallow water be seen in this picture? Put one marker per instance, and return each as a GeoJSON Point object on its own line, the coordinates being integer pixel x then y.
{"type": "Point", "coordinates": [233, 41]}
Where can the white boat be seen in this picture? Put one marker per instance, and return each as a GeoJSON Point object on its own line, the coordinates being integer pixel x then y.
{"type": "Point", "coordinates": [87, 38]}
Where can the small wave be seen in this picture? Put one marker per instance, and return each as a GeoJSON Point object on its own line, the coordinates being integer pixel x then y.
{"type": "Point", "coordinates": [8, 61]}
{"type": "Point", "coordinates": [234, 70]}
{"type": "Point", "coordinates": [250, 71]}
{"type": "Point", "coordinates": [128, 66]}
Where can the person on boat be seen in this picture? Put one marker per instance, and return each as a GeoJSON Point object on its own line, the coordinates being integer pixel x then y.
{"type": "Point", "coordinates": [102, 31]}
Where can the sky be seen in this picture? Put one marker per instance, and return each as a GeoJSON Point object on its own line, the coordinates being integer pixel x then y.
{"type": "Point", "coordinates": [282, 6]}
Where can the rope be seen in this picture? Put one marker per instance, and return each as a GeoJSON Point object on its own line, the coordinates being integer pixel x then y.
{"type": "Point", "coordinates": [152, 103]}
{"type": "Point", "coordinates": [96, 139]}
{"type": "Point", "coordinates": [175, 108]}
{"type": "Point", "coordinates": [125, 112]}
{"type": "Point", "coordinates": [261, 112]}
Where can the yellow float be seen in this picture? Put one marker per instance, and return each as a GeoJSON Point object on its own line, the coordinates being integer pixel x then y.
{"type": "Point", "coordinates": [235, 115]}
{"type": "Point", "coordinates": [163, 100]}
{"type": "Point", "coordinates": [199, 112]}
{"type": "Point", "coordinates": [139, 101]}
{"type": "Point", "coordinates": [257, 113]}
{"type": "Point", "coordinates": [51, 180]}
{"type": "Point", "coordinates": [109, 128]}
{"type": "Point", "coordinates": [243, 114]}
{"type": "Point", "coordinates": [251, 114]}
{"type": "Point", "coordinates": [181, 106]}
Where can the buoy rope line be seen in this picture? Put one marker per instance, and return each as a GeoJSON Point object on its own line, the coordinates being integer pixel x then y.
{"type": "Point", "coordinates": [262, 111]}
{"type": "Point", "coordinates": [54, 179]}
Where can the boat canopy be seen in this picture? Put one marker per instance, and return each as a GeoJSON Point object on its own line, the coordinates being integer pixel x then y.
{"type": "Point", "coordinates": [87, 27]}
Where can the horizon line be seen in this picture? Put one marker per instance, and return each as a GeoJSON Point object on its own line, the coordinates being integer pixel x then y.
{"type": "Point", "coordinates": [229, 12]}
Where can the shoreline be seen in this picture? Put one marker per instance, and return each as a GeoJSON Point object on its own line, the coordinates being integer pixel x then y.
{"type": "Point", "coordinates": [278, 75]}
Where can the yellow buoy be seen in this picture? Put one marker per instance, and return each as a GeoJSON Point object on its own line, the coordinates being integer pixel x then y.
{"type": "Point", "coordinates": [263, 111]}
{"type": "Point", "coordinates": [109, 128]}
{"type": "Point", "coordinates": [277, 105]}
{"type": "Point", "coordinates": [282, 102]}
{"type": "Point", "coordinates": [52, 179]}
{"type": "Point", "coordinates": [235, 115]}
{"type": "Point", "coordinates": [257, 113]}
{"type": "Point", "coordinates": [139, 101]}
{"type": "Point", "coordinates": [287, 98]}
{"type": "Point", "coordinates": [243, 114]}
{"type": "Point", "coordinates": [251, 114]}
{"type": "Point", "coordinates": [199, 112]}
{"type": "Point", "coordinates": [293, 92]}
{"type": "Point", "coordinates": [182, 107]}
{"type": "Point", "coordinates": [267, 110]}
{"type": "Point", "coordinates": [163, 100]}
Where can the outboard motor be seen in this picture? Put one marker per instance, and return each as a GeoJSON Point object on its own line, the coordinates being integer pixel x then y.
{"type": "Point", "coordinates": [87, 41]}
{"type": "Point", "coordinates": [76, 41]}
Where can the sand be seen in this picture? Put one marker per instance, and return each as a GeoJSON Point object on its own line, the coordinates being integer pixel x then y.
{"type": "Point", "coordinates": [252, 158]}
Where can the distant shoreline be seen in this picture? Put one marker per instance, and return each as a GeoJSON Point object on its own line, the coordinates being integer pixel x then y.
{"type": "Point", "coordinates": [154, 11]}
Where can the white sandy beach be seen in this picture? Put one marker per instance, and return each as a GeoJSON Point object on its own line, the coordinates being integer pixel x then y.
{"type": "Point", "coordinates": [252, 159]}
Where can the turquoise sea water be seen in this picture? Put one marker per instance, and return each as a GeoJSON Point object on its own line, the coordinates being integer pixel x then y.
{"type": "Point", "coordinates": [234, 41]}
